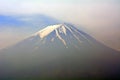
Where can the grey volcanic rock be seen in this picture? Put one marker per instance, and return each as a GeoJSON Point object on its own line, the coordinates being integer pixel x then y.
{"type": "Point", "coordinates": [59, 51]}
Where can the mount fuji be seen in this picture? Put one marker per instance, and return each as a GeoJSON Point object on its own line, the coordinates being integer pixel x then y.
{"type": "Point", "coordinates": [59, 51]}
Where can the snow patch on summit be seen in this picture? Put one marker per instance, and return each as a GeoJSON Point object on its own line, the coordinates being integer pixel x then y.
{"type": "Point", "coordinates": [46, 31]}
{"type": "Point", "coordinates": [57, 34]}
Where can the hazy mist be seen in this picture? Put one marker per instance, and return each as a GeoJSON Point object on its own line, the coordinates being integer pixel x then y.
{"type": "Point", "coordinates": [99, 18]}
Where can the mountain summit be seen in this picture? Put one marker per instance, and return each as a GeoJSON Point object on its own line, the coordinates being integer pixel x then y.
{"type": "Point", "coordinates": [59, 51]}
{"type": "Point", "coordinates": [44, 32]}
{"type": "Point", "coordinates": [58, 29]}
{"type": "Point", "coordinates": [62, 33]}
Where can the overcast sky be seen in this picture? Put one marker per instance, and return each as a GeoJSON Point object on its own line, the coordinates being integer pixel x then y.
{"type": "Point", "coordinates": [75, 11]}
{"type": "Point", "coordinates": [100, 18]}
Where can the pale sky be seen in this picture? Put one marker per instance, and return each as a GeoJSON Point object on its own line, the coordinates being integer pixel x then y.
{"type": "Point", "coordinates": [100, 18]}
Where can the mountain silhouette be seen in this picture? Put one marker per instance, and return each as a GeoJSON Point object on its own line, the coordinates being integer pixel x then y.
{"type": "Point", "coordinates": [59, 51]}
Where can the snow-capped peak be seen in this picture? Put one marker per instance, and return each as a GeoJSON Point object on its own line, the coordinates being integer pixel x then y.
{"type": "Point", "coordinates": [46, 31]}
{"type": "Point", "coordinates": [60, 31]}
